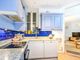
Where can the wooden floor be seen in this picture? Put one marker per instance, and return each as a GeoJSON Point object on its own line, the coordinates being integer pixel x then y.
{"type": "Point", "coordinates": [67, 56]}
{"type": "Point", "coordinates": [63, 56]}
{"type": "Point", "coordinates": [46, 59]}
{"type": "Point", "coordinates": [70, 46]}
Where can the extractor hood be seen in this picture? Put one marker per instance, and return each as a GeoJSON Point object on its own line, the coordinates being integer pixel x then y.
{"type": "Point", "coordinates": [14, 18]}
{"type": "Point", "coordinates": [12, 9]}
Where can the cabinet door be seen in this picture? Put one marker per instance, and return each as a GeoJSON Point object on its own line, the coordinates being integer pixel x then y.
{"type": "Point", "coordinates": [46, 22]}
{"type": "Point", "coordinates": [51, 49]}
{"type": "Point", "coordinates": [58, 21]}
{"type": "Point", "coordinates": [51, 21]}
{"type": "Point", "coordinates": [36, 49]}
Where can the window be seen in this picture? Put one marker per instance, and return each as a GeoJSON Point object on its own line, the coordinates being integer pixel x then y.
{"type": "Point", "coordinates": [34, 17]}
{"type": "Point", "coordinates": [28, 26]}
{"type": "Point", "coordinates": [29, 17]}
{"type": "Point", "coordinates": [28, 21]}
{"type": "Point", "coordinates": [31, 20]}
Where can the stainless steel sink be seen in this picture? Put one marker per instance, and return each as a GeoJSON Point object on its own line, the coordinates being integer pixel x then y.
{"type": "Point", "coordinates": [14, 46]}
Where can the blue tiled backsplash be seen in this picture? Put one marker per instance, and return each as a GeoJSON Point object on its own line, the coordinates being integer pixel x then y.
{"type": "Point", "coordinates": [7, 34]}
{"type": "Point", "coordinates": [4, 35]}
{"type": "Point", "coordinates": [41, 33]}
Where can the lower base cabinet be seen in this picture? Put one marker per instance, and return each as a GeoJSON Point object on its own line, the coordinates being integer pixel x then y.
{"type": "Point", "coordinates": [36, 49]}
{"type": "Point", "coordinates": [42, 49]}
{"type": "Point", "coordinates": [50, 49]}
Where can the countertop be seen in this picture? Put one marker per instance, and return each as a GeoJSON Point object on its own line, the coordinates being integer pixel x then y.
{"type": "Point", "coordinates": [25, 39]}
{"type": "Point", "coordinates": [5, 42]}
{"type": "Point", "coordinates": [16, 53]}
{"type": "Point", "coordinates": [12, 54]}
{"type": "Point", "coordinates": [37, 38]}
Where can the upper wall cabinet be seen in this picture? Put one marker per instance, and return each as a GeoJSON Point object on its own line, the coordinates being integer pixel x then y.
{"type": "Point", "coordinates": [46, 22]}
{"type": "Point", "coordinates": [57, 22]}
{"type": "Point", "coordinates": [51, 21]}
{"type": "Point", "coordinates": [12, 7]}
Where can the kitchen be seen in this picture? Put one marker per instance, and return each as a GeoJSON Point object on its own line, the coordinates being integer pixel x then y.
{"type": "Point", "coordinates": [31, 30]}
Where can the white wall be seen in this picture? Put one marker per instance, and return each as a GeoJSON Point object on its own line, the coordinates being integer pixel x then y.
{"type": "Point", "coordinates": [50, 10]}
{"type": "Point", "coordinates": [73, 26]}
{"type": "Point", "coordinates": [72, 20]}
{"type": "Point", "coordinates": [72, 12]}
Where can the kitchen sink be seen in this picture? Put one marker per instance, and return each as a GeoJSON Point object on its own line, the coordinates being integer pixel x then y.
{"type": "Point", "coordinates": [14, 46]}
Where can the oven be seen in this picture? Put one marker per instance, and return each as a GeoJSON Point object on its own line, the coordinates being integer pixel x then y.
{"type": "Point", "coordinates": [26, 53]}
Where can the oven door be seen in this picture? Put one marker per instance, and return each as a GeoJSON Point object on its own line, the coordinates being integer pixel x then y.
{"type": "Point", "coordinates": [26, 54]}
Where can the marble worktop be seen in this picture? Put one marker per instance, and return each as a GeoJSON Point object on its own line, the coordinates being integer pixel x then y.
{"type": "Point", "coordinates": [12, 53]}
{"type": "Point", "coordinates": [16, 53]}
{"type": "Point", "coordinates": [5, 42]}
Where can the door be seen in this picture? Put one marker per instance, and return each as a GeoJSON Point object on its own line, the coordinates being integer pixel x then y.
{"type": "Point", "coordinates": [36, 49]}
{"type": "Point", "coordinates": [51, 49]}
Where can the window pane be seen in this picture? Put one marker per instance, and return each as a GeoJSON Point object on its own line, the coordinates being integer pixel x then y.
{"type": "Point", "coordinates": [28, 17]}
{"type": "Point", "coordinates": [28, 26]}
{"type": "Point", "coordinates": [34, 17]}
{"type": "Point", "coordinates": [34, 24]}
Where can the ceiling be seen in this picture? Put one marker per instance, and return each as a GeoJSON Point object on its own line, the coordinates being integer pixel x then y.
{"type": "Point", "coordinates": [48, 3]}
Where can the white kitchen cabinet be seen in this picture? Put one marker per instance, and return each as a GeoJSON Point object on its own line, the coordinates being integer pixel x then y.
{"type": "Point", "coordinates": [51, 21]}
{"type": "Point", "coordinates": [43, 49]}
{"type": "Point", "coordinates": [58, 21]}
{"type": "Point", "coordinates": [36, 49]}
{"type": "Point", "coordinates": [50, 48]}
{"type": "Point", "coordinates": [46, 22]}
